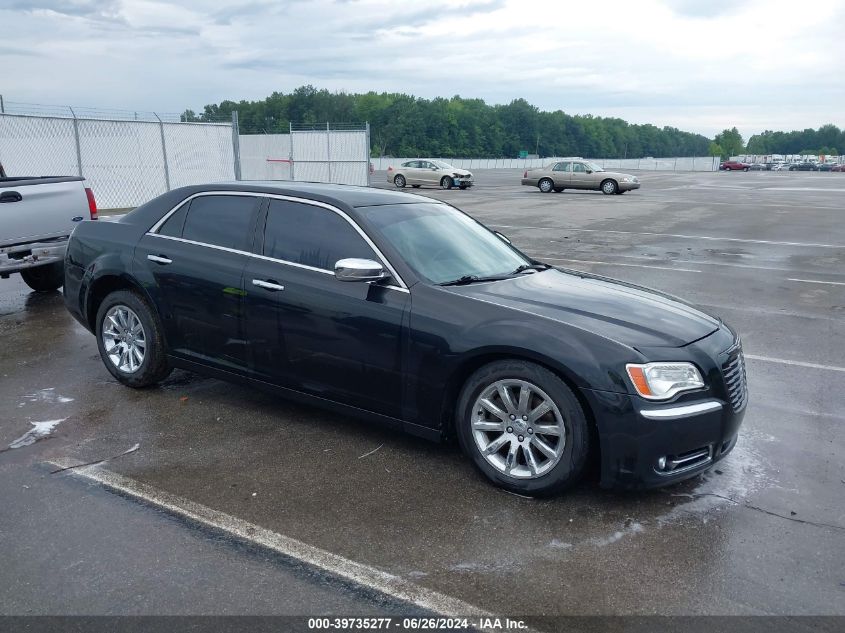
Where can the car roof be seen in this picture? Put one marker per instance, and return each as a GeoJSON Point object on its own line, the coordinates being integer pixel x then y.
{"type": "Point", "coordinates": [349, 195]}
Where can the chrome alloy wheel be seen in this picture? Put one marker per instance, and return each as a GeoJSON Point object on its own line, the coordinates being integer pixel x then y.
{"type": "Point", "coordinates": [518, 428]}
{"type": "Point", "coordinates": [124, 339]}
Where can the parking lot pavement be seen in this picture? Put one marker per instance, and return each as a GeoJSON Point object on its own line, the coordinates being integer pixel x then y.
{"type": "Point", "coordinates": [761, 533]}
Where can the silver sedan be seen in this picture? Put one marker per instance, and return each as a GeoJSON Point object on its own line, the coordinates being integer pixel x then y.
{"type": "Point", "coordinates": [429, 172]}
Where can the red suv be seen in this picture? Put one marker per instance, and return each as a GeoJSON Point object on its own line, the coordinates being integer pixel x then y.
{"type": "Point", "coordinates": [734, 165]}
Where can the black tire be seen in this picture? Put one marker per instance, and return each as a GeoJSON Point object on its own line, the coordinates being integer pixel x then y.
{"type": "Point", "coordinates": [446, 182]}
{"type": "Point", "coordinates": [546, 185]}
{"type": "Point", "coordinates": [415, 186]}
{"type": "Point", "coordinates": [558, 189]}
{"type": "Point", "coordinates": [154, 366]}
{"type": "Point", "coordinates": [567, 471]}
{"type": "Point", "coordinates": [399, 181]}
{"type": "Point", "coordinates": [463, 187]}
{"type": "Point", "coordinates": [609, 187]}
{"type": "Point", "coordinates": [620, 192]}
{"type": "Point", "coordinates": [727, 168]}
{"type": "Point", "coordinates": [45, 278]}
{"type": "Point", "coordinates": [745, 169]}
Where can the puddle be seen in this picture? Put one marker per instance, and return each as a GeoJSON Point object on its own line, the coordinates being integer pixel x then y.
{"type": "Point", "coordinates": [47, 396]}
{"type": "Point", "coordinates": [39, 431]}
{"type": "Point", "coordinates": [742, 474]}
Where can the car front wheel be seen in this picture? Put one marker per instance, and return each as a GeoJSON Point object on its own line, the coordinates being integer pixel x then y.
{"type": "Point", "coordinates": [523, 428]}
{"type": "Point", "coordinates": [609, 187]}
{"type": "Point", "coordinates": [130, 340]}
{"type": "Point", "coordinates": [446, 182]}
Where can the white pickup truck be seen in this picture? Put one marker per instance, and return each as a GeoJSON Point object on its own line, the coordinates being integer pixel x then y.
{"type": "Point", "coordinates": [37, 216]}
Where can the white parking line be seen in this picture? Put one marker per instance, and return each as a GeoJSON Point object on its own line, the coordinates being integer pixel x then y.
{"type": "Point", "coordinates": [797, 363]}
{"type": "Point", "coordinates": [357, 573]}
{"type": "Point", "coordinates": [817, 281]}
{"type": "Point", "coordinates": [687, 237]}
{"type": "Point", "coordinates": [587, 261]}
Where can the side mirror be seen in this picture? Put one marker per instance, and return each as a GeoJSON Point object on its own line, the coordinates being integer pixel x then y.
{"type": "Point", "coordinates": [502, 237]}
{"type": "Point", "coordinates": [589, 171]}
{"type": "Point", "coordinates": [435, 169]}
{"type": "Point", "coordinates": [354, 269]}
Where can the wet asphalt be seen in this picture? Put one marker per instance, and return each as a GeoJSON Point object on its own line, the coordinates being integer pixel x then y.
{"type": "Point", "coordinates": [761, 533]}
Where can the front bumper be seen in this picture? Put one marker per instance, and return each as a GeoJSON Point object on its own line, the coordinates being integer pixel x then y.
{"type": "Point", "coordinates": [628, 186]}
{"type": "Point", "coordinates": [634, 434]}
{"type": "Point", "coordinates": [14, 259]}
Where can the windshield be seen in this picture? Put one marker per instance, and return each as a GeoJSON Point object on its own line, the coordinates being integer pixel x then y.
{"type": "Point", "coordinates": [441, 244]}
{"type": "Point", "coordinates": [442, 165]}
{"type": "Point", "coordinates": [593, 166]}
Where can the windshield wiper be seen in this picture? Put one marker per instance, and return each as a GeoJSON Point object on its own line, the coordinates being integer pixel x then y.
{"type": "Point", "coordinates": [524, 267]}
{"type": "Point", "coordinates": [470, 279]}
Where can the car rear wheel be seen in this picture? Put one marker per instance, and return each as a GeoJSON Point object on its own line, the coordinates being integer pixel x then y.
{"type": "Point", "coordinates": [609, 187]}
{"type": "Point", "coordinates": [130, 340]}
{"type": "Point", "coordinates": [558, 189]}
{"type": "Point", "coordinates": [523, 427]}
{"type": "Point", "coordinates": [44, 278]}
{"type": "Point", "coordinates": [415, 186]}
{"type": "Point", "coordinates": [446, 182]}
{"type": "Point", "coordinates": [545, 185]}
{"type": "Point", "coordinates": [399, 181]}
{"type": "Point", "coordinates": [746, 169]}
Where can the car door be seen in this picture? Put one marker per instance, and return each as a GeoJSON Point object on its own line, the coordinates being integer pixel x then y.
{"type": "Point", "coordinates": [428, 173]}
{"type": "Point", "coordinates": [580, 179]}
{"type": "Point", "coordinates": [316, 334]}
{"type": "Point", "coordinates": [411, 170]}
{"type": "Point", "coordinates": [192, 265]}
{"type": "Point", "coordinates": [562, 174]}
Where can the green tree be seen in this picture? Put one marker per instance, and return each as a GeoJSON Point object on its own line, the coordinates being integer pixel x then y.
{"type": "Point", "coordinates": [730, 142]}
{"type": "Point", "coordinates": [714, 149]}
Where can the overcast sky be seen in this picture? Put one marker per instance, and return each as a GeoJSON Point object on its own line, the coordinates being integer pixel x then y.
{"type": "Point", "coordinates": [699, 65]}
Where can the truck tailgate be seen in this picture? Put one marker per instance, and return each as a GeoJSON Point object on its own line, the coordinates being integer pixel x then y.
{"type": "Point", "coordinates": [40, 210]}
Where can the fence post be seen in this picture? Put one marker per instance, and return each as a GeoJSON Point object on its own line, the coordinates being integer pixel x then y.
{"type": "Point", "coordinates": [367, 164]}
{"type": "Point", "coordinates": [236, 144]}
{"type": "Point", "coordinates": [329, 150]}
{"type": "Point", "coordinates": [76, 138]}
{"type": "Point", "coordinates": [292, 163]}
{"type": "Point", "coordinates": [164, 153]}
{"type": "Point", "coordinates": [2, 107]}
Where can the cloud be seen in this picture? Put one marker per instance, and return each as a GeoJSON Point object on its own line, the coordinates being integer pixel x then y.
{"type": "Point", "coordinates": [683, 63]}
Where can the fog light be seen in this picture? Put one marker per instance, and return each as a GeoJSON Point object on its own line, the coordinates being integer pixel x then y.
{"type": "Point", "coordinates": [661, 463]}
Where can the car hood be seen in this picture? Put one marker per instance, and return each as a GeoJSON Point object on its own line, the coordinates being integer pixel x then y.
{"type": "Point", "coordinates": [629, 314]}
{"type": "Point", "coordinates": [458, 172]}
{"type": "Point", "coordinates": [616, 174]}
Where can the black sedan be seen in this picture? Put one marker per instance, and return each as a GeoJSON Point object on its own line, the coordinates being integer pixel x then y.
{"type": "Point", "coordinates": [804, 166]}
{"type": "Point", "coordinates": [406, 311]}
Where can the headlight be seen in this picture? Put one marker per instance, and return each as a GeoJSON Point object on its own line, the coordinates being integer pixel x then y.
{"type": "Point", "coordinates": [660, 381]}
{"type": "Point", "coordinates": [629, 179]}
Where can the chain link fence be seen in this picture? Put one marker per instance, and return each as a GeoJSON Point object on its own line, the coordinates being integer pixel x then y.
{"type": "Point", "coordinates": [328, 152]}
{"type": "Point", "coordinates": [126, 157]}
{"type": "Point", "coordinates": [685, 163]}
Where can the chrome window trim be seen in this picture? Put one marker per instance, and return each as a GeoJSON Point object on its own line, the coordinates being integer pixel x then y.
{"type": "Point", "coordinates": [684, 411]}
{"type": "Point", "coordinates": [155, 228]}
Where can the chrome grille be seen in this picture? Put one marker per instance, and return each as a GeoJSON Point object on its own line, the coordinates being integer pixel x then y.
{"type": "Point", "coordinates": [733, 370]}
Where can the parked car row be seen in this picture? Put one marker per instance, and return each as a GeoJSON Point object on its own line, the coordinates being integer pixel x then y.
{"type": "Point", "coordinates": [807, 165]}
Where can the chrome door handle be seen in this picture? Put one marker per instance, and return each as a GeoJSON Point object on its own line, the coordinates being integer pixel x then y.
{"type": "Point", "coordinates": [267, 285]}
{"type": "Point", "coordinates": [159, 259]}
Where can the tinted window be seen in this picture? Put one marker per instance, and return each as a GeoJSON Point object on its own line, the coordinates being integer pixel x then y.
{"type": "Point", "coordinates": [309, 235]}
{"type": "Point", "coordinates": [221, 220]}
{"type": "Point", "coordinates": [173, 226]}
